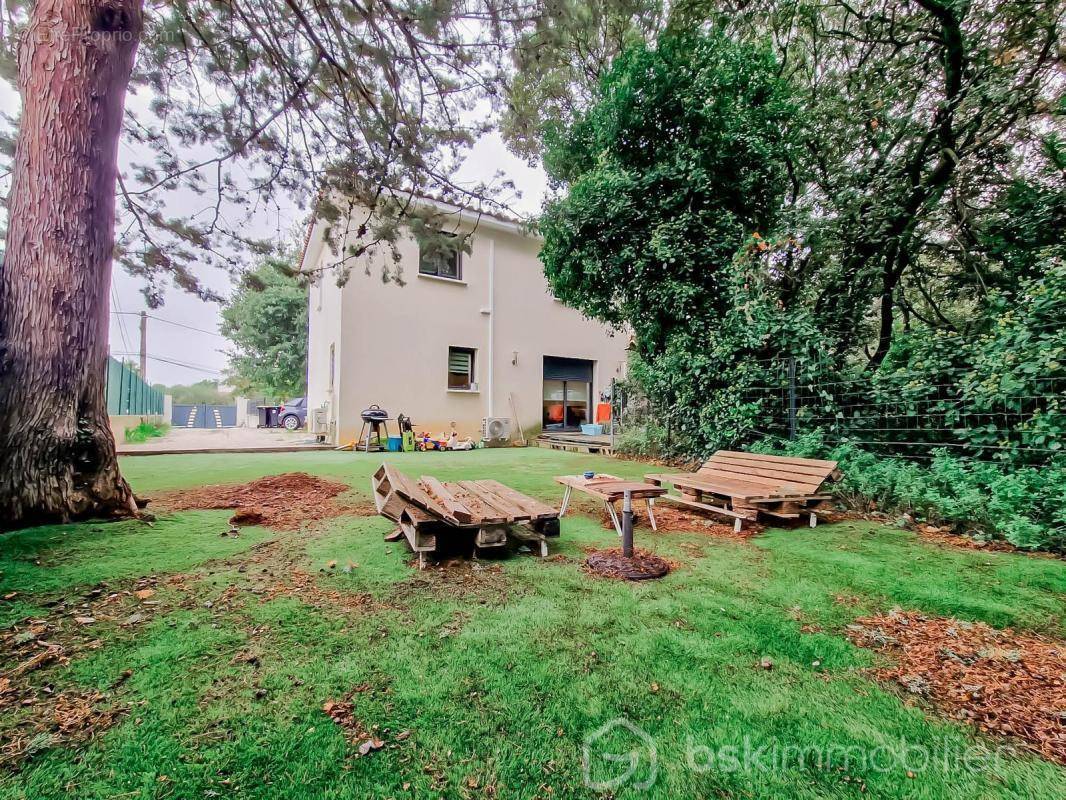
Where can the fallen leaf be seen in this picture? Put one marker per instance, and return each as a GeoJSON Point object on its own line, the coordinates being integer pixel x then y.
{"type": "Point", "coordinates": [85, 620]}
{"type": "Point", "coordinates": [143, 594]}
{"type": "Point", "coordinates": [370, 744]}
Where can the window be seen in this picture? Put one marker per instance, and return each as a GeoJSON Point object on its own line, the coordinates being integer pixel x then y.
{"type": "Point", "coordinates": [460, 368]}
{"type": "Point", "coordinates": [441, 258]}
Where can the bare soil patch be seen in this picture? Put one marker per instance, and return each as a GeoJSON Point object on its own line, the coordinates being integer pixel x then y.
{"type": "Point", "coordinates": [671, 519]}
{"type": "Point", "coordinates": [1002, 681]}
{"type": "Point", "coordinates": [463, 578]}
{"type": "Point", "coordinates": [282, 501]}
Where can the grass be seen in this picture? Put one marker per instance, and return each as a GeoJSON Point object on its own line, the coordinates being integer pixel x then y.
{"type": "Point", "coordinates": [143, 431]}
{"type": "Point", "coordinates": [487, 682]}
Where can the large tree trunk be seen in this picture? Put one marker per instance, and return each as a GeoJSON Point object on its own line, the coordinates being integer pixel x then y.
{"type": "Point", "coordinates": [57, 454]}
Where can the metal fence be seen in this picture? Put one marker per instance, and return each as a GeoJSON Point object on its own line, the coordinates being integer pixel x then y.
{"type": "Point", "coordinates": [128, 394]}
{"type": "Point", "coordinates": [908, 415]}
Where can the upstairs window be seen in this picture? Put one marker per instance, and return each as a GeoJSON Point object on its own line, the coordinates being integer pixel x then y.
{"type": "Point", "coordinates": [441, 258]}
{"type": "Point", "coordinates": [460, 368]}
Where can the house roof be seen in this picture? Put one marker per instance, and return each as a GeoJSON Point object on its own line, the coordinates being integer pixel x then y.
{"type": "Point", "coordinates": [489, 219]}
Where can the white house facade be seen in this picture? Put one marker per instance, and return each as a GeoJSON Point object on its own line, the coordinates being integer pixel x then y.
{"type": "Point", "coordinates": [457, 342]}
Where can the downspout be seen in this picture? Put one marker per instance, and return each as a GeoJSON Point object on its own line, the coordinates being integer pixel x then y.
{"type": "Point", "coordinates": [492, 326]}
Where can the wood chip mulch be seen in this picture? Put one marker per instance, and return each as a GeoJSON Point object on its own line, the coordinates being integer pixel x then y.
{"type": "Point", "coordinates": [1002, 681]}
{"type": "Point", "coordinates": [278, 501]}
{"type": "Point", "coordinates": [611, 563]}
{"type": "Point", "coordinates": [671, 519]}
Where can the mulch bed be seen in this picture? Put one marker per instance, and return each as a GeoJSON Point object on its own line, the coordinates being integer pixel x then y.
{"type": "Point", "coordinates": [644, 565]}
{"type": "Point", "coordinates": [1002, 681]}
{"type": "Point", "coordinates": [671, 519]}
{"type": "Point", "coordinates": [278, 501]}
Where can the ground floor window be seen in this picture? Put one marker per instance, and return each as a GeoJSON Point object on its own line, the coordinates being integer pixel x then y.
{"type": "Point", "coordinates": [460, 368]}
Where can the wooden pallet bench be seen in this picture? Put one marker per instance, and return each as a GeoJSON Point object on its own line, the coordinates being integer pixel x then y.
{"type": "Point", "coordinates": [428, 509]}
{"type": "Point", "coordinates": [744, 485]}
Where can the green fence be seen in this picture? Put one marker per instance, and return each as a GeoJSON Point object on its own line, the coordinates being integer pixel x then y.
{"type": "Point", "coordinates": [128, 394]}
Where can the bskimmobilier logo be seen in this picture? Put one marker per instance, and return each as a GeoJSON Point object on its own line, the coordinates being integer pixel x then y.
{"type": "Point", "coordinates": [607, 766]}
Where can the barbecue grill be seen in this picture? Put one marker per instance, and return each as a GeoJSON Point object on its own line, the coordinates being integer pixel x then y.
{"type": "Point", "coordinates": [374, 414]}
{"type": "Point", "coordinates": [375, 420]}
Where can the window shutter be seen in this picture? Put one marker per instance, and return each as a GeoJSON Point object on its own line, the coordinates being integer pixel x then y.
{"type": "Point", "coordinates": [458, 361]}
{"type": "Point", "coordinates": [567, 369]}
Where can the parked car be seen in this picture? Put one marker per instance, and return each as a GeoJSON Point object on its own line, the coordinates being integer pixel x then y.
{"type": "Point", "coordinates": [293, 415]}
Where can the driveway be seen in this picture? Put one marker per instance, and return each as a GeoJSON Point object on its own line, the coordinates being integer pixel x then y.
{"type": "Point", "coordinates": [207, 440]}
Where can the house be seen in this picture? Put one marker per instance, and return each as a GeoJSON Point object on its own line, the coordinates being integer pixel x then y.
{"type": "Point", "coordinates": [457, 341]}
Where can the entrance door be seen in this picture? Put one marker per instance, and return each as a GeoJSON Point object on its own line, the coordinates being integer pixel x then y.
{"type": "Point", "coordinates": [567, 393]}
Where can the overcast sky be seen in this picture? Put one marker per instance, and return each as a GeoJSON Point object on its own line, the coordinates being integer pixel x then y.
{"type": "Point", "coordinates": [185, 329]}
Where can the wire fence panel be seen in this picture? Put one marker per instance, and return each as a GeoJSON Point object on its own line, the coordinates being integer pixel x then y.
{"type": "Point", "coordinates": [904, 413]}
{"type": "Point", "coordinates": [127, 394]}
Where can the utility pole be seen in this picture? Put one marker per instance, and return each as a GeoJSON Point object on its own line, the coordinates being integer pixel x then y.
{"type": "Point", "coordinates": [144, 346]}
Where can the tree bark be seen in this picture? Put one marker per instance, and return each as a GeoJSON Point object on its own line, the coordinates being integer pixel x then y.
{"type": "Point", "coordinates": [57, 454]}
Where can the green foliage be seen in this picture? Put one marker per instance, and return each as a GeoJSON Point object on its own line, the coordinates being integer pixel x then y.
{"type": "Point", "coordinates": [143, 431]}
{"type": "Point", "coordinates": [205, 391]}
{"type": "Point", "coordinates": [999, 388]}
{"type": "Point", "coordinates": [266, 319]}
{"type": "Point", "coordinates": [676, 167]}
{"type": "Point", "coordinates": [677, 163]}
{"type": "Point", "coordinates": [1027, 220]}
{"type": "Point", "coordinates": [728, 250]}
{"type": "Point", "coordinates": [1026, 506]}
{"type": "Point", "coordinates": [558, 58]}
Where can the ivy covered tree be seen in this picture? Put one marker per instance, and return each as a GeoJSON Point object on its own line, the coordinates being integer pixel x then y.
{"type": "Point", "coordinates": [266, 320]}
{"type": "Point", "coordinates": [678, 164]}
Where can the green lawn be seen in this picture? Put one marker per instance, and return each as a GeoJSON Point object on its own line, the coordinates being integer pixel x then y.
{"type": "Point", "coordinates": [485, 682]}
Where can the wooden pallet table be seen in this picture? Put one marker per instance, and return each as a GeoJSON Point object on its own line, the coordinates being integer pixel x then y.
{"type": "Point", "coordinates": [610, 489]}
{"type": "Point", "coordinates": [429, 509]}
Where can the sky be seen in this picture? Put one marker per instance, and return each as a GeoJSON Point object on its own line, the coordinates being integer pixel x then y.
{"type": "Point", "coordinates": [185, 328]}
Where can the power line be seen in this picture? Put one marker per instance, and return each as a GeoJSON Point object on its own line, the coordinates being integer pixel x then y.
{"type": "Point", "coordinates": [186, 364]}
{"type": "Point", "coordinates": [120, 314]}
{"type": "Point", "coordinates": [170, 322]}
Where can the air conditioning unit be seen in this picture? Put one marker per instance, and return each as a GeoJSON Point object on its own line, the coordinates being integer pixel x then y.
{"type": "Point", "coordinates": [320, 420]}
{"type": "Point", "coordinates": [496, 429]}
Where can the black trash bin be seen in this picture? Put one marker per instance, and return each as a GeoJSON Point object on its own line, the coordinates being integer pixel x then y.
{"type": "Point", "coordinates": [268, 416]}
